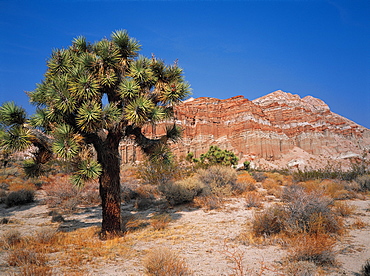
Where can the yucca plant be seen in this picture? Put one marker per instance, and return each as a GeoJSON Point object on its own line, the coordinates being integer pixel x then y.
{"type": "Point", "coordinates": [94, 95]}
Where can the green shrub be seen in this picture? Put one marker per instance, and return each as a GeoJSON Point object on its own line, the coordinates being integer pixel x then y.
{"type": "Point", "coordinates": [20, 197]}
{"type": "Point", "coordinates": [219, 180]}
{"type": "Point", "coordinates": [181, 191]}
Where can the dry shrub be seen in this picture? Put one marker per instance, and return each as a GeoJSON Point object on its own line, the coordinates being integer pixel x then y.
{"type": "Point", "coordinates": [245, 183]}
{"type": "Point", "coordinates": [253, 199]}
{"type": "Point", "coordinates": [365, 269]}
{"type": "Point", "coordinates": [181, 191]}
{"type": "Point", "coordinates": [278, 178]}
{"type": "Point", "coordinates": [315, 248]}
{"type": "Point", "coordinates": [344, 209]}
{"type": "Point", "coordinates": [310, 212]}
{"type": "Point", "coordinates": [164, 262]}
{"type": "Point", "coordinates": [19, 197]}
{"type": "Point", "coordinates": [337, 189]}
{"type": "Point", "coordinates": [63, 194]}
{"type": "Point", "coordinates": [218, 180]}
{"type": "Point", "coordinates": [208, 202]}
{"type": "Point", "coordinates": [21, 257]}
{"type": "Point", "coordinates": [160, 222]}
{"type": "Point", "coordinates": [364, 182]}
{"type": "Point", "coordinates": [270, 221]}
{"type": "Point", "coordinates": [17, 183]}
{"type": "Point", "coordinates": [301, 212]}
{"type": "Point", "coordinates": [259, 176]}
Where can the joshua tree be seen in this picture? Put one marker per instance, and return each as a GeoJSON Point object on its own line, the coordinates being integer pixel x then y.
{"type": "Point", "coordinates": [92, 96]}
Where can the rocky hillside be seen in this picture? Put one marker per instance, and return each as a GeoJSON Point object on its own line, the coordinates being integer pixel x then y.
{"type": "Point", "coordinates": [278, 129]}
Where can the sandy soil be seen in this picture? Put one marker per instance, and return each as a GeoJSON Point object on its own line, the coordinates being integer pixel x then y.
{"type": "Point", "coordinates": [203, 238]}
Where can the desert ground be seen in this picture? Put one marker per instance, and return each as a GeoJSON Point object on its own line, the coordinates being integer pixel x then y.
{"type": "Point", "coordinates": [210, 242]}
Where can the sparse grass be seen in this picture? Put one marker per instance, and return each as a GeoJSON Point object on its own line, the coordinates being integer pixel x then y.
{"type": "Point", "coordinates": [164, 262]}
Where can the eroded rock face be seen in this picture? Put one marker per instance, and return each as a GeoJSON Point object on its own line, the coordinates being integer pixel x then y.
{"type": "Point", "coordinates": [268, 127]}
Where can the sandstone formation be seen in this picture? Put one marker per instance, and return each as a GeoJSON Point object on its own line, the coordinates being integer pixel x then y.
{"type": "Point", "coordinates": [268, 128]}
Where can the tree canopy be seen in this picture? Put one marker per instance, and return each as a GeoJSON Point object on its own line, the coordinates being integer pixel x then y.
{"type": "Point", "coordinates": [92, 96]}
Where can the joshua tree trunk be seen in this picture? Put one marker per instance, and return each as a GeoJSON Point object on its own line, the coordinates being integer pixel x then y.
{"type": "Point", "coordinates": [109, 185]}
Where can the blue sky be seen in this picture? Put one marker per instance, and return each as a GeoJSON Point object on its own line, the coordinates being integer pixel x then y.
{"type": "Point", "coordinates": [226, 48]}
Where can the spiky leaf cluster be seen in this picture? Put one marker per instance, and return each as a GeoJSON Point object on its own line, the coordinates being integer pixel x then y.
{"type": "Point", "coordinates": [92, 91]}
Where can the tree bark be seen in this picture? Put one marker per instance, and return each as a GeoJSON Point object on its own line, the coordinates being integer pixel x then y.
{"type": "Point", "coordinates": [109, 185]}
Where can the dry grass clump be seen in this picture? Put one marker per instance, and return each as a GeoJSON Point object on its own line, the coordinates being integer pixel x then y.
{"type": "Point", "coordinates": [344, 209]}
{"type": "Point", "coordinates": [160, 221]}
{"type": "Point", "coordinates": [315, 248]}
{"type": "Point", "coordinates": [21, 257]}
{"type": "Point", "coordinates": [164, 262]}
{"type": "Point", "coordinates": [270, 221]}
{"type": "Point", "coordinates": [253, 199]}
{"type": "Point", "coordinates": [281, 179]}
{"type": "Point", "coordinates": [245, 183]}
{"type": "Point", "coordinates": [208, 202]}
{"type": "Point", "coordinates": [300, 268]}
{"type": "Point", "coordinates": [272, 186]}
{"type": "Point", "coordinates": [10, 239]}
{"type": "Point", "coordinates": [337, 189]}
{"type": "Point", "coordinates": [358, 224]}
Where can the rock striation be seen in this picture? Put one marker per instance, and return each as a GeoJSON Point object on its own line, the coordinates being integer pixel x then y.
{"type": "Point", "coordinates": [268, 128]}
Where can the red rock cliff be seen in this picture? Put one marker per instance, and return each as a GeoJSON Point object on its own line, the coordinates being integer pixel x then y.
{"type": "Point", "coordinates": [267, 127]}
